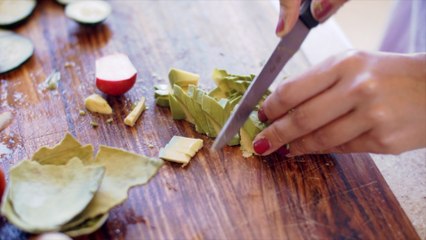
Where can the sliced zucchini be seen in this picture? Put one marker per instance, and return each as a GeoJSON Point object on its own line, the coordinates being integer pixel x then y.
{"type": "Point", "coordinates": [88, 12]}
{"type": "Point", "coordinates": [15, 50]}
{"type": "Point", "coordinates": [14, 11]}
{"type": "Point", "coordinates": [65, 2]}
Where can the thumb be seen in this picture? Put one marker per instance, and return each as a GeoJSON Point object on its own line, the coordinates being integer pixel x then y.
{"type": "Point", "coordinates": [289, 13]}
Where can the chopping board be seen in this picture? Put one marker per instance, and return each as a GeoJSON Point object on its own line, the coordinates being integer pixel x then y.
{"type": "Point", "coordinates": [219, 195]}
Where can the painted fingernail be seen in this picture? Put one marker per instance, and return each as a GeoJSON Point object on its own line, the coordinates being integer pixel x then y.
{"type": "Point", "coordinates": [283, 151]}
{"type": "Point", "coordinates": [261, 115]}
{"type": "Point", "coordinates": [262, 145]}
{"type": "Point", "coordinates": [321, 9]}
{"type": "Point", "coordinates": [281, 24]}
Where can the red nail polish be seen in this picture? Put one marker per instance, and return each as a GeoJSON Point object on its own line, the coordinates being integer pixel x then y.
{"type": "Point", "coordinates": [261, 115]}
{"type": "Point", "coordinates": [283, 151]}
{"type": "Point", "coordinates": [262, 145]}
{"type": "Point", "coordinates": [280, 26]}
{"type": "Point", "coordinates": [322, 8]}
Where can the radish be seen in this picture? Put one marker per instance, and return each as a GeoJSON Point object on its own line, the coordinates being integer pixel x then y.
{"type": "Point", "coordinates": [115, 74]}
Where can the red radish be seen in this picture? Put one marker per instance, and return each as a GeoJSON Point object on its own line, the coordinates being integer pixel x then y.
{"type": "Point", "coordinates": [115, 74]}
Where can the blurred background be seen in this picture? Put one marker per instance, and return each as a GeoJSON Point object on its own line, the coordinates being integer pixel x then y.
{"type": "Point", "coordinates": [364, 21]}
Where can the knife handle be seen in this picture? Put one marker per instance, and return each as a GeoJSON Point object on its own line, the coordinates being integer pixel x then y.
{"type": "Point", "coordinates": [306, 15]}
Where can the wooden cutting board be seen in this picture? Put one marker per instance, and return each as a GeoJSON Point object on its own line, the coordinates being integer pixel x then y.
{"type": "Point", "coordinates": [217, 196]}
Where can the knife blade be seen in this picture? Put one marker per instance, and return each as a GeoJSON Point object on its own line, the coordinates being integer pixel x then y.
{"type": "Point", "coordinates": [285, 49]}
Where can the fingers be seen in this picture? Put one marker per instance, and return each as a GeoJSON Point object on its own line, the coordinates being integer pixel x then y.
{"type": "Point", "coordinates": [306, 118]}
{"type": "Point", "coordinates": [332, 136]}
{"type": "Point", "coordinates": [289, 13]}
{"type": "Point", "coordinates": [293, 92]}
{"type": "Point", "coordinates": [323, 9]}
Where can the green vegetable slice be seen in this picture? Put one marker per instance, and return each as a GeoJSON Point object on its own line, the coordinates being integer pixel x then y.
{"type": "Point", "coordinates": [123, 170]}
{"type": "Point", "coordinates": [60, 154]}
{"type": "Point", "coordinates": [39, 192]}
{"type": "Point", "coordinates": [89, 11]}
{"type": "Point", "coordinates": [15, 50]}
{"type": "Point", "coordinates": [15, 11]}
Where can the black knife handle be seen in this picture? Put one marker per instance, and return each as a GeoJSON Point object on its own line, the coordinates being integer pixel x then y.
{"type": "Point", "coordinates": [306, 15]}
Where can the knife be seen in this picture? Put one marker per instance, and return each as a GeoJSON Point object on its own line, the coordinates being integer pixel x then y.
{"type": "Point", "coordinates": [285, 49]}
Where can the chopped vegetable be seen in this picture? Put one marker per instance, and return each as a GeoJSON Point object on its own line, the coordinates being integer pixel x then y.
{"type": "Point", "coordinates": [135, 113]}
{"type": "Point", "coordinates": [161, 95]}
{"type": "Point", "coordinates": [88, 11]}
{"type": "Point", "coordinates": [181, 149]}
{"type": "Point", "coordinates": [115, 74]}
{"type": "Point", "coordinates": [94, 124]}
{"type": "Point", "coordinates": [13, 11]}
{"type": "Point", "coordinates": [182, 78]}
{"type": "Point", "coordinates": [50, 188]}
{"type": "Point", "coordinates": [82, 113]}
{"type": "Point", "coordinates": [97, 104]}
{"type": "Point", "coordinates": [210, 111]}
{"type": "Point", "coordinates": [51, 82]}
{"type": "Point", "coordinates": [15, 50]}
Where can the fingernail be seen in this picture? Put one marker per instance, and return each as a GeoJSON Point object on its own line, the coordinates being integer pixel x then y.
{"type": "Point", "coordinates": [262, 145]}
{"type": "Point", "coordinates": [283, 151]}
{"type": "Point", "coordinates": [281, 25]}
{"type": "Point", "coordinates": [261, 115]}
{"type": "Point", "coordinates": [321, 9]}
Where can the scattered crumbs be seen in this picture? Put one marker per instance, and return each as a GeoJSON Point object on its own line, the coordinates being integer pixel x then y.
{"type": "Point", "coordinates": [94, 124]}
{"type": "Point", "coordinates": [109, 120]}
{"type": "Point", "coordinates": [69, 64]}
{"type": "Point", "coordinates": [170, 187]}
{"type": "Point", "coordinates": [146, 108]}
{"type": "Point", "coordinates": [82, 113]}
{"type": "Point", "coordinates": [150, 145]}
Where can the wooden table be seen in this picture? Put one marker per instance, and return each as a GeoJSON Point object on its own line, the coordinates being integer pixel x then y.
{"type": "Point", "coordinates": [217, 196]}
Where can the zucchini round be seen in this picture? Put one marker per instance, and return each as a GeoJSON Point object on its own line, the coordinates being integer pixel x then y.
{"type": "Point", "coordinates": [15, 50]}
{"type": "Point", "coordinates": [15, 11]}
{"type": "Point", "coordinates": [88, 12]}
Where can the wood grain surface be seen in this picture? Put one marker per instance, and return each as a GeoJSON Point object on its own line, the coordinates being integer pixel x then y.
{"type": "Point", "coordinates": [218, 195]}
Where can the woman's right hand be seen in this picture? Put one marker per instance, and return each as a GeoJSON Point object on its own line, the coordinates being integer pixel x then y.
{"type": "Point", "coordinates": [289, 12]}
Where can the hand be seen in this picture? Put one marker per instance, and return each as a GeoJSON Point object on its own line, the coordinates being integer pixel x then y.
{"type": "Point", "coordinates": [354, 102]}
{"type": "Point", "coordinates": [289, 12]}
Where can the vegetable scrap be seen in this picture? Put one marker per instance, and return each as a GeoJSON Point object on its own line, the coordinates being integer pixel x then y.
{"type": "Point", "coordinates": [97, 104]}
{"type": "Point", "coordinates": [130, 120]}
{"type": "Point", "coordinates": [67, 174]}
{"type": "Point", "coordinates": [181, 149]}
